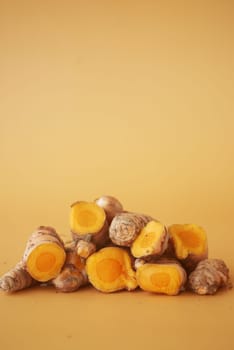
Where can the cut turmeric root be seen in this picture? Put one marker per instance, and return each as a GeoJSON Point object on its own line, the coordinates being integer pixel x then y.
{"type": "Point", "coordinates": [44, 255]}
{"type": "Point", "coordinates": [110, 270]}
{"type": "Point", "coordinates": [88, 222]}
{"type": "Point", "coordinates": [152, 240]}
{"type": "Point", "coordinates": [126, 226]}
{"type": "Point", "coordinates": [164, 278]}
{"type": "Point", "coordinates": [189, 244]}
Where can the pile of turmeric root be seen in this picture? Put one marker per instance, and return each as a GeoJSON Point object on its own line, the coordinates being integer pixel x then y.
{"type": "Point", "coordinates": [113, 249]}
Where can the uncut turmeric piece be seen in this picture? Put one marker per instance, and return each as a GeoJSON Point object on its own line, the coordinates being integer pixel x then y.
{"type": "Point", "coordinates": [151, 241]}
{"type": "Point", "coordinates": [188, 243]}
{"type": "Point", "coordinates": [44, 255]}
{"type": "Point", "coordinates": [16, 279]}
{"type": "Point", "coordinates": [85, 249]}
{"type": "Point", "coordinates": [165, 277]}
{"type": "Point", "coordinates": [109, 270]}
{"type": "Point", "coordinates": [209, 276]}
{"type": "Point", "coordinates": [88, 222]}
{"type": "Point", "coordinates": [73, 274]}
{"type": "Point", "coordinates": [126, 226]}
{"type": "Point", "coordinates": [111, 205]}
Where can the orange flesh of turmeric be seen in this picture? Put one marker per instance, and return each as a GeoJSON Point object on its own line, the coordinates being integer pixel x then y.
{"type": "Point", "coordinates": [190, 239]}
{"type": "Point", "coordinates": [160, 279]}
{"type": "Point", "coordinates": [108, 270]}
{"type": "Point", "coordinates": [86, 218]}
{"type": "Point", "coordinates": [45, 262]}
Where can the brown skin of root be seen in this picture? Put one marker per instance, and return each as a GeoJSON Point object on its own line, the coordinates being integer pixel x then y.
{"type": "Point", "coordinates": [209, 276]}
{"type": "Point", "coordinates": [73, 275]}
{"type": "Point", "coordinates": [126, 226]}
{"type": "Point", "coordinates": [16, 279]}
{"type": "Point", "coordinates": [85, 249]}
{"type": "Point", "coordinates": [111, 205]}
{"type": "Point", "coordinates": [52, 232]}
{"type": "Point", "coordinates": [69, 280]}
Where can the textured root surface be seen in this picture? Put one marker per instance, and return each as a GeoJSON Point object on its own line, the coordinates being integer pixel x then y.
{"type": "Point", "coordinates": [73, 274]}
{"type": "Point", "coordinates": [209, 276]}
{"type": "Point", "coordinates": [125, 227]}
{"type": "Point", "coordinates": [16, 279]}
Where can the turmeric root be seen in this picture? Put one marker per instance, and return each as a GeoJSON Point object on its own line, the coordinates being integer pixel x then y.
{"type": "Point", "coordinates": [44, 255]}
{"type": "Point", "coordinates": [88, 222]}
{"type": "Point", "coordinates": [138, 263]}
{"type": "Point", "coordinates": [165, 277]}
{"type": "Point", "coordinates": [110, 270]}
{"type": "Point", "coordinates": [16, 279]}
{"type": "Point", "coordinates": [85, 249]}
{"type": "Point", "coordinates": [189, 244]}
{"type": "Point", "coordinates": [73, 274]}
{"type": "Point", "coordinates": [152, 240]}
{"type": "Point", "coordinates": [125, 227]}
{"type": "Point", "coordinates": [209, 276]}
{"type": "Point", "coordinates": [111, 205]}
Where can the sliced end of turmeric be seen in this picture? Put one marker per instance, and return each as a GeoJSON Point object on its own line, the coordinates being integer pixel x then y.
{"type": "Point", "coordinates": [188, 239]}
{"type": "Point", "coordinates": [86, 217]}
{"type": "Point", "coordinates": [109, 270]}
{"type": "Point", "coordinates": [152, 240]}
{"type": "Point", "coordinates": [45, 261]}
{"type": "Point", "coordinates": [161, 278]}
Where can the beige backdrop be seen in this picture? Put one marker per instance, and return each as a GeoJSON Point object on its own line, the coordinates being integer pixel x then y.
{"type": "Point", "coordinates": [129, 98]}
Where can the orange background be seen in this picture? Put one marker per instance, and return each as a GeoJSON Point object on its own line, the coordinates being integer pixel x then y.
{"type": "Point", "coordinates": [129, 98]}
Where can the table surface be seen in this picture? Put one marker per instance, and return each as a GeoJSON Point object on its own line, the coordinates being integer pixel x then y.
{"type": "Point", "coordinates": [40, 317]}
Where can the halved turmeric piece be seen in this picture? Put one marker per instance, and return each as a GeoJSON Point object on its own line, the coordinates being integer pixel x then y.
{"type": "Point", "coordinates": [152, 240]}
{"type": "Point", "coordinates": [164, 278]}
{"type": "Point", "coordinates": [88, 222]}
{"type": "Point", "coordinates": [110, 270]}
{"type": "Point", "coordinates": [189, 242]}
{"type": "Point", "coordinates": [44, 255]}
{"type": "Point", "coordinates": [126, 226]}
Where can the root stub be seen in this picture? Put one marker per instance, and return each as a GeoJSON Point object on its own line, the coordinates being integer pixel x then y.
{"type": "Point", "coordinates": [16, 279]}
{"type": "Point", "coordinates": [161, 278]}
{"type": "Point", "coordinates": [109, 270]}
{"type": "Point", "coordinates": [111, 205]}
{"type": "Point", "coordinates": [73, 275]}
{"type": "Point", "coordinates": [209, 276]}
